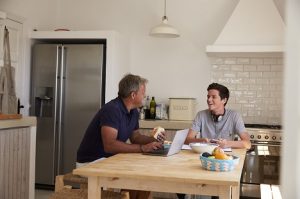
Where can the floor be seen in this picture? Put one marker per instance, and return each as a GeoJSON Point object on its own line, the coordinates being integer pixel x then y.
{"type": "Point", "coordinates": [42, 194]}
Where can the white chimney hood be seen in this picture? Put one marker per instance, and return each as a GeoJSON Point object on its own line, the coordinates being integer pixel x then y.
{"type": "Point", "coordinates": [254, 27]}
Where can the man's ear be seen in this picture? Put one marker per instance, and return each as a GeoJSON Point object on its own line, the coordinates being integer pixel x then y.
{"type": "Point", "coordinates": [132, 95]}
{"type": "Point", "coordinates": [224, 100]}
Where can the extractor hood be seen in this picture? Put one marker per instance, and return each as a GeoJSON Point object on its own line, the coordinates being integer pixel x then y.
{"type": "Point", "coordinates": [254, 27]}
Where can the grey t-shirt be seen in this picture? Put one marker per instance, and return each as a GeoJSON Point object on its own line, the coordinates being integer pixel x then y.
{"type": "Point", "coordinates": [230, 124]}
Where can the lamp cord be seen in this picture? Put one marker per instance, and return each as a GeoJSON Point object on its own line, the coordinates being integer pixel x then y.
{"type": "Point", "coordinates": [165, 11]}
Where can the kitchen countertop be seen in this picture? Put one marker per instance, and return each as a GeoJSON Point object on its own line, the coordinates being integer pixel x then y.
{"type": "Point", "coordinates": [166, 124]}
{"type": "Point", "coordinates": [12, 123]}
{"type": "Point", "coordinates": [180, 124]}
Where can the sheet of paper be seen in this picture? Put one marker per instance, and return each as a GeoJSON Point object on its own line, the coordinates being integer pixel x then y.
{"type": "Point", "coordinates": [186, 147]}
{"type": "Point", "coordinates": [227, 149]}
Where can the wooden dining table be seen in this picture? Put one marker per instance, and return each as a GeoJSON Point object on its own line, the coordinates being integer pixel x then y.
{"type": "Point", "coordinates": [179, 173]}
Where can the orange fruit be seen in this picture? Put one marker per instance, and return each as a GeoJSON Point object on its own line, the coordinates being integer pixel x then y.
{"type": "Point", "coordinates": [217, 150]}
{"type": "Point", "coordinates": [221, 156]}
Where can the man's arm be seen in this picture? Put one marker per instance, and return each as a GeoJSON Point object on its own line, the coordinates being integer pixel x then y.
{"type": "Point", "coordinates": [148, 143]}
{"type": "Point", "coordinates": [191, 137]}
{"type": "Point", "coordinates": [138, 138]}
{"type": "Point", "coordinates": [243, 143]}
{"type": "Point", "coordinates": [112, 145]}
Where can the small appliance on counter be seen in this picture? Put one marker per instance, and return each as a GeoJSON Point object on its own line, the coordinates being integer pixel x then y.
{"type": "Point", "coordinates": [182, 108]}
{"type": "Point", "coordinates": [161, 111]}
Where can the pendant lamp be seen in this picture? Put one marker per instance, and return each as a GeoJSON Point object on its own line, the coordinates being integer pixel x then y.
{"type": "Point", "coordinates": [164, 29]}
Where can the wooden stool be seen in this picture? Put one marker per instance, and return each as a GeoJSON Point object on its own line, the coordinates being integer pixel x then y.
{"type": "Point", "coordinates": [62, 190]}
{"type": "Point", "coordinates": [61, 181]}
{"type": "Point", "coordinates": [69, 193]}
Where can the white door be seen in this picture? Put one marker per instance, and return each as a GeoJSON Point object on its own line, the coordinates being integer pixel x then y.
{"type": "Point", "coordinates": [15, 39]}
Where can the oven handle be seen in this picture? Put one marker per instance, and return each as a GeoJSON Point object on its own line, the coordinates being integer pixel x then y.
{"type": "Point", "coordinates": [256, 144]}
{"type": "Point", "coordinates": [265, 144]}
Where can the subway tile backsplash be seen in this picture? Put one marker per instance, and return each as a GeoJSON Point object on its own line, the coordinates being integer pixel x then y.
{"type": "Point", "coordinates": [255, 86]}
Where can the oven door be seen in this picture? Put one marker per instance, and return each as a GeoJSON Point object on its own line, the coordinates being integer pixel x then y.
{"type": "Point", "coordinates": [261, 166]}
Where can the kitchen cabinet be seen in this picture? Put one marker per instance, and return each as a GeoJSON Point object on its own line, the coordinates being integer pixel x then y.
{"type": "Point", "coordinates": [17, 158]}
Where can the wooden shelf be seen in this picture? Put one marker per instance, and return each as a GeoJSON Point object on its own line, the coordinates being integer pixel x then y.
{"type": "Point", "coordinates": [10, 116]}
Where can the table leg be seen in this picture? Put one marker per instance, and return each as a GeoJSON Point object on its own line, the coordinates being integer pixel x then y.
{"type": "Point", "coordinates": [232, 192]}
{"type": "Point", "coordinates": [94, 188]}
{"type": "Point", "coordinates": [235, 192]}
{"type": "Point", "coordinates": [225, 192]}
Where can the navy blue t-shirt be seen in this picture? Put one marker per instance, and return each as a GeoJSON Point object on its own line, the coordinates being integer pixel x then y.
{"type": "Point", "coordinates": [113, 114]}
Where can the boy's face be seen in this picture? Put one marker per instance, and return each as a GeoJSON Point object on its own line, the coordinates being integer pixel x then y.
{"type": "Point", "coordinates": [214, 101]}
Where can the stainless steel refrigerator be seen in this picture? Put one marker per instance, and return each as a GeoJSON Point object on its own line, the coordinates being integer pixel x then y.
{"type": "Point", "coordinates": [67, 90]}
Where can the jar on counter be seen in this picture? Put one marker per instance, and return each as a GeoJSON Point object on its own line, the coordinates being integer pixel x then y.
{"type": "Point", "coordinates": [142, 113]}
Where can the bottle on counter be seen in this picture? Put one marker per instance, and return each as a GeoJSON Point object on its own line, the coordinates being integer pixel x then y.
{"type": "Point", "coordinates": [147, 108]}
{"type": "Point", "coordinates": [147, 102]}
{"type": "Point", "coordinates": [152, 108]}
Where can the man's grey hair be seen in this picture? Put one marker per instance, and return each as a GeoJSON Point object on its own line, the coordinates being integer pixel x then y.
{"type": "Point", "coordinates": [130, 83]}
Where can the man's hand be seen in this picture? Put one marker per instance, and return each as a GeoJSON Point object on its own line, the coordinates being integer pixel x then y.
{"type": "Point", "coordinates": [159, 134]}
{"type": "Point", "coordinates": [151, 146]}
{"type": "Point", "coordinates": [213, 141]}
{"type": "Point", "coordinates": [222, 143]}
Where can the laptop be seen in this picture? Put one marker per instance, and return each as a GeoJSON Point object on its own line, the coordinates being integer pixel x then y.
{"type": "Point", "coordinates": [175, 147]}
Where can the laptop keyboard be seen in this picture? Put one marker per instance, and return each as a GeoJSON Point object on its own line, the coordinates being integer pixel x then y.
{"type": "Point", "coordinates": [160, 151]}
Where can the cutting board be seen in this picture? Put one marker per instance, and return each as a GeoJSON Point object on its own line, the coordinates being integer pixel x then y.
{"type": "Point", "coordinates": [10, 116]}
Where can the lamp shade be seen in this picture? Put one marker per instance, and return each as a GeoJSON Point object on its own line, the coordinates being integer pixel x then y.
{"type": "Point", "coordinates": [164, 30]}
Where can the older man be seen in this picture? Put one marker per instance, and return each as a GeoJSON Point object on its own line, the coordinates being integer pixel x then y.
{"type": "Point", "coordinates": [114, 124]}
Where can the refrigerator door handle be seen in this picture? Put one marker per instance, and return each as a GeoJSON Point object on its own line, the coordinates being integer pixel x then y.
{"type": "Point", "coordinates": [60, 70]}
{"type": "Point", "coordinates": [56, 110]}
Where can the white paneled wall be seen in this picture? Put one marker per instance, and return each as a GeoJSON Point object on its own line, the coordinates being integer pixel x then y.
{"type": "Point", "coordinates": [255, 86]}
{"type": "Point", "coordinates": [14, 163]}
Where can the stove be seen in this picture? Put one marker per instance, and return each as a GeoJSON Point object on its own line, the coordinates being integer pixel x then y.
{"type": "Point", "coordinates": [258, 135]}
{"type": "Point", "coordinates": [262, 162]}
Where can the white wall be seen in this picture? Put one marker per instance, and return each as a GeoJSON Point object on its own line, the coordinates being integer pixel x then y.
{"type": "Point", "coordinates": [255, 84]}
{"type": "Point", "coordinates": [36, 13]}
{"type": "Point", "coordinates": [290, 170]}
{"type": "Point", "coordinates": [174, 67]}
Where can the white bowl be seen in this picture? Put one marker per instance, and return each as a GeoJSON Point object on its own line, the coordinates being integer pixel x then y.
{"type": "Point", "coordinates": [199, 147]}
